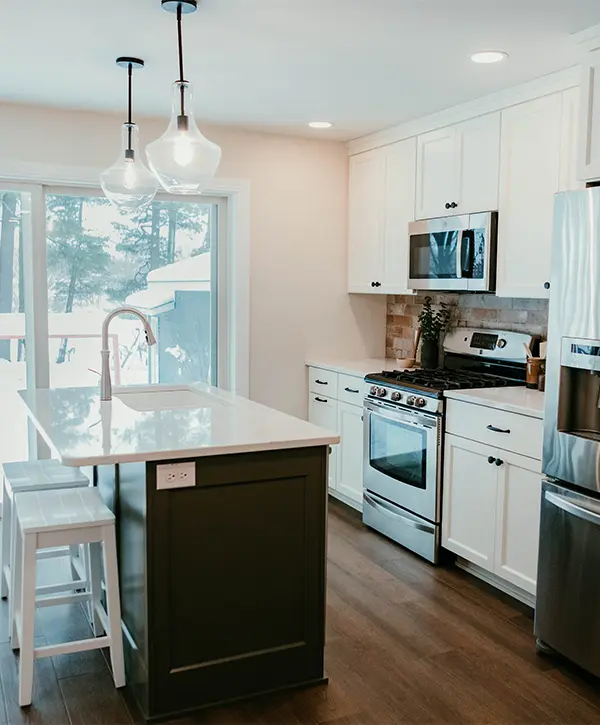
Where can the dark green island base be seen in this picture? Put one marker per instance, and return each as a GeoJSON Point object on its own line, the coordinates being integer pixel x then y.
{"type": "Point", "coordinates": [222, 584]}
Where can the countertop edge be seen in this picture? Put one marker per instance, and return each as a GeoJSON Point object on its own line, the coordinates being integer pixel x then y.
{"type": "Point", "coordinates": [464, 396]}
{"type": "Point", "coordinates": [358, 368]}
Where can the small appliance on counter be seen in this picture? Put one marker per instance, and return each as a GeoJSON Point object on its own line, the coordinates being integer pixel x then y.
{"type": "Point", "coordinates": [454, 253]}
{"type": "Point", "coordinates": [568, 582]}
{"type": "Point", "coordinates": [404, 425]}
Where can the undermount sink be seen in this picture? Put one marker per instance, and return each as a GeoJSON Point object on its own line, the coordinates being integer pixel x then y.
{"type": "Point", "coordinates": [166, 397]}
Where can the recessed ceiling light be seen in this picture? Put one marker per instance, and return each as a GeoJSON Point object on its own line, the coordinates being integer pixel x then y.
{"type": "Point", "coordinates": [320, 124]}
{"type": "Point", "coordinates": [489, 56]}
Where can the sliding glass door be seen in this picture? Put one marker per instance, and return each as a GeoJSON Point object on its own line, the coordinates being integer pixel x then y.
{"type": "Point", "coordinates": [67, 258]}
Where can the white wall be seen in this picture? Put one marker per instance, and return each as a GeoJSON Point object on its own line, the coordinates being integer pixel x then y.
{"type": "Point", "coordinates": [298, 302]}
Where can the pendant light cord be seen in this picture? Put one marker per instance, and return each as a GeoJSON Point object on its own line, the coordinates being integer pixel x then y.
{"type": "Point", "coordinates": [129, 106]}
{"type": "Point", "coordinates": [180, 48]}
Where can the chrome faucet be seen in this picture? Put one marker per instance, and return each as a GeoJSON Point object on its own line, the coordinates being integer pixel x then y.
{"type": "Point", "coordinates": [105, 381]}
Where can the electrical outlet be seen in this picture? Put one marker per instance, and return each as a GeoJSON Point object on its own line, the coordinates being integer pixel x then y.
{"type": "Point", "coordinates": [176, 475]}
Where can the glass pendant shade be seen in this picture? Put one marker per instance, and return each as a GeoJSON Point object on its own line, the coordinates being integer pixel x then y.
{"type": "Point", "coordinates": [129, 184]}
{"type": "Point", "coordinates": [183, 160]}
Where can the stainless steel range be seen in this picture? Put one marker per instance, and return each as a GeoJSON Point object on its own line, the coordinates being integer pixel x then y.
{"type": "Point", "coordinates": [404, 425]}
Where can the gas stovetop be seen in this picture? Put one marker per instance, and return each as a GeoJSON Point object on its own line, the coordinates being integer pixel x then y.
{"type": "Point", "coordinates": [439, 380]}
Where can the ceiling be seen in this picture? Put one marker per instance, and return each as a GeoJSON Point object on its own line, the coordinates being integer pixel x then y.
{"type": "Point", "coordinates": [277, 64]}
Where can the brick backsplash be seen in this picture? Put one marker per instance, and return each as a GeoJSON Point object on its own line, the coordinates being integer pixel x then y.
{"type": "Point", "coordinates": [482, 311]}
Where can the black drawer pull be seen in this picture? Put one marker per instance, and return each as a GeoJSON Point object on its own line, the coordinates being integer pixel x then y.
{"type": "Point", "coordinates": [498, 430]}
{"type": "Point", "coordinates": [349, 390]}
{"type": "Point", "coordinates": [491, 459]}
{"type": "Point", "coordinates": [321, 382]}
{"type": "Point", "coordinates": [321, 400]}
{"type": "Point", "coordinates": [499, 462]}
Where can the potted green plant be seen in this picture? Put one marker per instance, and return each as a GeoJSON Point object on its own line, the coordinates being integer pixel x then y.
{"type": "Point", "coordinates": [433, 323]}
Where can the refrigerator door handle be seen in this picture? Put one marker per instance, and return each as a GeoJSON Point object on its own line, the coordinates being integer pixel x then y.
{"type": "Point", "coordinates": [581, 512]}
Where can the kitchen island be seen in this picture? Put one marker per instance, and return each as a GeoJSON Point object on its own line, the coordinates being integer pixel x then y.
{"type": "Point", "coordinates": [222, 571]}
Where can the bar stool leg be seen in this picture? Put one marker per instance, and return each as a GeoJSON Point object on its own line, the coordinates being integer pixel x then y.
{"type": "Point", "coordinates": [94, 567]}
{"type": "Point", "coordinates": [27, 619]}
{"type": "Point", "coordinates": [14, 603]}
{"type": "Point", "coordinates": [113, 604]}
{"type": "Point", "coordinates": [6, 531]}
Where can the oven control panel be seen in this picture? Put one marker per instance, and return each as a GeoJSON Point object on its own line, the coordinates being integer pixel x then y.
{"type": "Point", "coordinates": [403, 398]}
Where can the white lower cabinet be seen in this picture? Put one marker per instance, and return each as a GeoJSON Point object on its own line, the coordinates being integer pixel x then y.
{"type": "Point", "coordinates": [491, 509]}
{"type": "Point", "coordinates": [518, 520]}
{"type": "Point", "coordinates": [469, 501]}
{"type": "Point", "coordinates": [350, 461]}
{"type": "Point", "coordinates": [323, 412]}
{"type": "Point", "coordinates": [333, 412]}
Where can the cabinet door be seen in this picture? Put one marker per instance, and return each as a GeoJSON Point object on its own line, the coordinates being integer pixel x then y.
{"type": "Point", "coordinates": [469, 500]}
{"type": "Point", "coordinates": [366, 222]}
{"type": "Point", "coordinates": [518, 520]}
{"type": "Point", "coordinates": [350, 460]}
{"type": "Point", "coordinates": [323, 412]}
{"type": "Point", "coordinates": [436, 173]}
{"type": "Point", "coordinates": [529, 178]}
{"type": "Point", "coordinates": [589, 129]}
{"type": "Point", "coordinates": [478, 167]}
{"type": "Point", "coordinates": [569, 180]}
{"type": "Point", "coordinates": [400, 182]}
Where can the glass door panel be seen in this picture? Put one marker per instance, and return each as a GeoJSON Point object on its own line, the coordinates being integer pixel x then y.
{"type": "Point", "coordinates": [14, 227]}
{"type": "Point", "coordinates": [162, 261]}
{"type": "Point", "coordinates": [435, 255]}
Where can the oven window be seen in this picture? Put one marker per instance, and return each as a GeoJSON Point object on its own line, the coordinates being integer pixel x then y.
{"type": "Point", "coordinates": [398, 450]}
{"type": "Point", "coordinates": [434, 255]}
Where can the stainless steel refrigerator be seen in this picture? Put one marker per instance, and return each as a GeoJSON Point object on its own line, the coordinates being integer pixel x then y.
{"type": "Point", "coordinates": [567, 617]}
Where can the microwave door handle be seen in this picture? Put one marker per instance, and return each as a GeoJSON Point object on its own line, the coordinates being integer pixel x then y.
{"type": "Point", "coordinates": [459, 248]}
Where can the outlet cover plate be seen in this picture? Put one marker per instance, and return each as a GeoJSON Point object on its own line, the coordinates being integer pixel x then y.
{"type": "Point", "coordinates": [176, 475]}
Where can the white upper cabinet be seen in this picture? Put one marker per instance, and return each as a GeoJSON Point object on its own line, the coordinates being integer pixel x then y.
{"type": "Point", "coordinates": [382, 202]}
{"type": "Point", "coordinates": [457, 168]}
{"type": "Point", "coordinates": [569, 174]}
{"type": "Point", "coordinates": [530, 174]}
{"type": "Point", "coordinates": [437, 162]}
{"type": "Point", "coordinates": [589, 126]}
{"type": "Point", "coordinates": [366, 220]}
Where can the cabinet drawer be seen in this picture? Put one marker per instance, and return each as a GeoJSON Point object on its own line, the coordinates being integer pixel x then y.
{"type": "Point", "coordinates": [478, 423]}
{"type": "Point", "coordinates": [322, 381]}
{"type": "Point", "coordinates": [350, 389]}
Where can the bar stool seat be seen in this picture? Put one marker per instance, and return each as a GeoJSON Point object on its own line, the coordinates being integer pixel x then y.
{"type": "Point", "coordinates": [23, 476]}
{"type": "Point", "coordinates": [64, 517]}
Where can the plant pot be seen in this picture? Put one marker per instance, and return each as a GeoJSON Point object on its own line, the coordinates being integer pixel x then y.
{"type": "Point", "coordinates": [430, 353]}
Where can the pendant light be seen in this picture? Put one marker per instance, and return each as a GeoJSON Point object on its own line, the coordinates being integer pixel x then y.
{"type": "Point", "coordinates": [128, 184]}
{"type": "Point", "coordinates": [183, 160]}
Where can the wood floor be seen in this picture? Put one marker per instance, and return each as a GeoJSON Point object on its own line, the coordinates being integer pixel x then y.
{"type": "Point", "coordinates": [407, 643]}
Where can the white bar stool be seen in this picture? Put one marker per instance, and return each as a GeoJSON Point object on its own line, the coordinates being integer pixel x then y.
{"type": "Point", "coordinates": [23, 476]}
{"type": "Point", "coordinates": [64, 518]}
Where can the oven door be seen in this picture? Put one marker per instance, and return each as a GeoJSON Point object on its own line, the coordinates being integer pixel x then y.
{"type": "Point", "coordinates": [402, 458]}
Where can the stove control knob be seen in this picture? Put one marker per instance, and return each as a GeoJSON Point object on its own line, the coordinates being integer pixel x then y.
{"type": "Point", "coordinates": [381, 392]}
{"type": "Point", "coordinates": [411, 400]}
{"type": "Point", "coordinates": [396, 396]}
{"type": "Point", "coordinates": [420, 402]}
{"type": "Point", "coordinates": [373, 390]}
{"type": "Point", "coordinates": [501, 343]}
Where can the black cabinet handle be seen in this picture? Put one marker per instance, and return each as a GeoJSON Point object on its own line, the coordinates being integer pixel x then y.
{"type": "Point", "coordinates": [499, 462]}
{"type": "Point", "coordinates": [546, 285]}
{"type": "Point", "coordinates": [491, 459]}
{"type": "Point", "coordinates": [320, 400]}
{"type": "Point", "coordinates": [453, 205]}
{"type": "Point", "coordinates": [372, 284]}
{"type": "Point", "coordinates": [498, 430]}
{"type": "Point", "coordinates": [375, 284]}
{"type": "Point", "coordinates": [350, 390]}
{"type": "Point", "coordinates": [447, 205]}
{"type": "Point", "coordinates": [321, 382]}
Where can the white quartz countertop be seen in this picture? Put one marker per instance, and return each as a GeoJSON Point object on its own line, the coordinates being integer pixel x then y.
{"type": "Point", "coordinates": [355, 367]}
{"type": "Point", "coordinates": [82, 431]}
{"type": "Point", "coordinates": [518, 399]}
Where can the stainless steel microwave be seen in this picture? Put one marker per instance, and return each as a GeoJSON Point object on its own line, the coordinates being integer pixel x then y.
{"type": "Point", "coordinates": [454, 254]}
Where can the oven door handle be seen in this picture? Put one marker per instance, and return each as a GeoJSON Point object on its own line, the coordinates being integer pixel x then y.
{"type": "Point", "coordinates": [405, 418]}
{"type": "Point", "coordinates": [581, 512]}
{"type": "Point", "coordinates": [392, 511]}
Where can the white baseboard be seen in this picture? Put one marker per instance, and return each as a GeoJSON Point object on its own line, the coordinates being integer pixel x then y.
{"type": "Point", "coordinates": [497, 582]}
{"type": "Point", "coordinates": [344, 499]}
